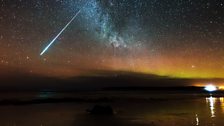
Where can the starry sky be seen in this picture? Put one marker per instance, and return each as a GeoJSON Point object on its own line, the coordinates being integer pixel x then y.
{"type": "Point", "coordinates": [176, 38]}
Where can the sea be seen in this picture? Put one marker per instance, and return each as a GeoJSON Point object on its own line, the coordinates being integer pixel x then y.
{"type": "Point", "coordinates": [131, 108]}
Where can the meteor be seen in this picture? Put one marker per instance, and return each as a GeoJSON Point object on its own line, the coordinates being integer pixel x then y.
{"type": "Point", "coordinates": [49, 45]}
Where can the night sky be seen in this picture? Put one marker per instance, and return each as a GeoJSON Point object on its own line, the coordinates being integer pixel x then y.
{"type": "Point", "coordinates": [176, 38]}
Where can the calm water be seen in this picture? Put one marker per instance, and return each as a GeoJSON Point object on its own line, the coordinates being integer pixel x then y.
{"type": "Point", "coordinates": [139, 109]}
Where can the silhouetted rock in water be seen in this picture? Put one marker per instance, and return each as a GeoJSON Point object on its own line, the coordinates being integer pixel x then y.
{"type": "Point", "coordinates": [101, 110]}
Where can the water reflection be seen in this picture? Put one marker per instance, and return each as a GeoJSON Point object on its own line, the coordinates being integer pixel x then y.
{"type": "Point", "coordinates": [199, 111]}
{"type": "Point", "coordinates": [221, 99]}
{"type": "Point", "coordinates": [216, 105]}
{"type": "Point", "coordinates": [197, 120]}
{"type": "Point", "coordinates": [45, 95]}
{"type": "Point", "coordinates": [211, 101]}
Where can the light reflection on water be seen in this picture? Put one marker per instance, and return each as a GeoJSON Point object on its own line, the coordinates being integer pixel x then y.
{"type": "Point", "coordinates": [197, 120]}
{"type": "Point", "coordinates": [221, 99]}
{"type": "Point", "coordinates": [45, 95]}
{"type": "Point", "coordinates": [214, 103]}
{"type": "Point", "coordinates": [211, 101]}
{"type": "Point", "coordinates": [216, 108]}
{"type": "Point", "coordinates": [187, 111]}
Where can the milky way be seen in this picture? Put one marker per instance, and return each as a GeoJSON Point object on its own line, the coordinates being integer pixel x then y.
{"type": "Point", "coordinates": [178, 38]}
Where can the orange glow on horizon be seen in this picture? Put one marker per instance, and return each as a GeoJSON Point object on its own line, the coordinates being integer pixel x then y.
{"type": "Point", "coordinates": [142, 61]}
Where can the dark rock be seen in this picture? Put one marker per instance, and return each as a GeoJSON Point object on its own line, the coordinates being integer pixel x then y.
{"type": "Point", "coordinates": [101, 110]}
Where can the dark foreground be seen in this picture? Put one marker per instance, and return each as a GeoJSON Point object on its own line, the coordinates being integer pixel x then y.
{"type": "Point", "coordinates": [130, 109]}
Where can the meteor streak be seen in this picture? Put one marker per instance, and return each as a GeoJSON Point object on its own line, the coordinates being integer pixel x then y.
{"type": "Point", "coordinates": [47, 47]}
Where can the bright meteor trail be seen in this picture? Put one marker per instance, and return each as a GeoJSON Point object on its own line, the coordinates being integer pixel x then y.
{"type": "Point", "coordinates": [47, 47]}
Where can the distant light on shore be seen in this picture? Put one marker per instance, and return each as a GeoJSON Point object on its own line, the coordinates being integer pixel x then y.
{"type": "Point", "coordinates": [210, 88]}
